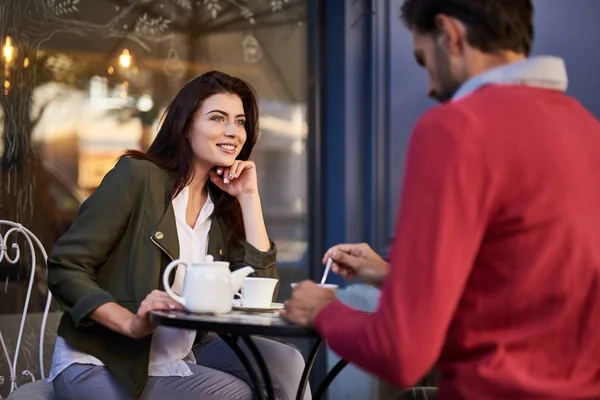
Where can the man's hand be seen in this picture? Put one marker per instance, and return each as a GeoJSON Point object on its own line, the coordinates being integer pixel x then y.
{"type": "Point", "coordinates": [308, 299]}
{"type": "Point", "coordinates": [358, 260]}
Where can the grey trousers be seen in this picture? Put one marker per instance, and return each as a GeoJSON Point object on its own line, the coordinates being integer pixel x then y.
{"type": "Point", "coordinates": [218, 375]}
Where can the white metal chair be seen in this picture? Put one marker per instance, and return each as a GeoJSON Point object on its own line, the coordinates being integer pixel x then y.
{"type": "Point", "coordinates": [12, 254]}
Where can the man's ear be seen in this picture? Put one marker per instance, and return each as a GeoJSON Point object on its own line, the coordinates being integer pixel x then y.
{"type": "Point", "coordinates": [451, 34]}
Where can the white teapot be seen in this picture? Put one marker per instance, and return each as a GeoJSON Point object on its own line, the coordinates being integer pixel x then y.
{"type": "Point", "coordinates": [208, 287]}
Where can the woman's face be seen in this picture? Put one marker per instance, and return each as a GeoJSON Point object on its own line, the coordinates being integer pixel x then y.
{"type": "Point", "coordinates": [217, 133]}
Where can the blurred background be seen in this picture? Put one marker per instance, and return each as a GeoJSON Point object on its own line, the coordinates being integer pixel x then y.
{"type": "Point", "coordinates": [84, 80]}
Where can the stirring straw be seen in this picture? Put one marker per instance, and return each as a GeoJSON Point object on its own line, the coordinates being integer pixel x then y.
{"type": "Point", "coordinates": [327, 268]}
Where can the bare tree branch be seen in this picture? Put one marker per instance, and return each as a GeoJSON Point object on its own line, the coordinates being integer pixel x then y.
{"type": "Point", "coordinates": [49, 24]}
{"type": "Point", "coordinates": [224, 24]}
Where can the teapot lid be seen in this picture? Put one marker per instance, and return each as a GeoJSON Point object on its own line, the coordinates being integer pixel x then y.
{"type": "Point", "coordinates": [209, 261]}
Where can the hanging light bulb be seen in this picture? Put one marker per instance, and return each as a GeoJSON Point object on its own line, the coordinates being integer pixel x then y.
{"type": "Point", "coordinates": [125, 59]}
{"type": "Point", "coordinates": [252, 51]}
{"type": "Point", "coordinates": [8, 50]}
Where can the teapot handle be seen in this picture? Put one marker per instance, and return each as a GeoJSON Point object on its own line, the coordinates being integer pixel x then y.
{"type": "Point", "coordinates": [165, 277]}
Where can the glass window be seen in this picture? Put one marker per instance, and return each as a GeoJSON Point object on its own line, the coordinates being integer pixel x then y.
{"type": "Point", "coordinates": [84, 80]}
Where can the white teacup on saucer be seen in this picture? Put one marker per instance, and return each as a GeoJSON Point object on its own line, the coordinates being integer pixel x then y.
{"type": "Point", "coordinates": [257, 295]}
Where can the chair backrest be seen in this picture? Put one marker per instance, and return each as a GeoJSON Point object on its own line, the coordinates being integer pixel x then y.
{"type": "Point", "coordinates": [12, 254]}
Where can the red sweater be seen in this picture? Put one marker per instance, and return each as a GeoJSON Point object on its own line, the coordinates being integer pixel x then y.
{"type": "Point", "coordinates": [495, 266]}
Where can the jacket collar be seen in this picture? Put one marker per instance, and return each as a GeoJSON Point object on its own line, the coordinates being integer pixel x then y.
{"type": "Point", "coordinates": [166, 238]}
{"type": "Point", "coordinates": [542, 71]}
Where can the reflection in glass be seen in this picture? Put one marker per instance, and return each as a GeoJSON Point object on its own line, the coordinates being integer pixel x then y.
{"type": "Point", "coordinates": [82, 81]}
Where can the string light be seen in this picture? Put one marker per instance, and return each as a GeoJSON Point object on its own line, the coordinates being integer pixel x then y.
{"type": "Point", "coordinates": [125, 59]}
{"type": "Point", "coordinates": [8, 50]}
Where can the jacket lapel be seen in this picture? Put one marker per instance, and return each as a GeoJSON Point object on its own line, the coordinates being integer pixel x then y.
{"type": "Point", "coordinates": [165, 234]}
{"type": "Point", "coordinates": [216, 240]}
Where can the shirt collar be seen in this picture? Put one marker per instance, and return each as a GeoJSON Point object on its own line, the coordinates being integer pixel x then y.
{"type": "Point", "coordinates": [207, 209]}
{"type": "Point", "coordinates": [542, 71]}
{"type": "Point", "coordinates": [180, 204]}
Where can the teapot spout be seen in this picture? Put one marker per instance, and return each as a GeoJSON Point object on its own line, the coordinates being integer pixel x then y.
{"type": "Point", "coordinates": [238, 276]}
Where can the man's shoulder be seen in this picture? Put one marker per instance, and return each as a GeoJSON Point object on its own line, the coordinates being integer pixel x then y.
{"type": "Point", "coordinates": [474, 110]}
{"type": "Point", "coordinates": [450, 124]}
{"type": "Point", "coordinates": [449, 116]}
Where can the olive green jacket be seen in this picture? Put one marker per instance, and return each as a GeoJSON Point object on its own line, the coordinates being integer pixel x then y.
{"type": "Point", "coordinates": [115, 251]}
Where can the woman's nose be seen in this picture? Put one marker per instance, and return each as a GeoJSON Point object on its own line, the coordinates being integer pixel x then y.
{"type": "Point", "coordinates": [231, 130]}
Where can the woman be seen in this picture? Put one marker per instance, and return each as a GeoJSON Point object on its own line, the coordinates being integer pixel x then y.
{"type": "Point", "coordinates": [193, 193]}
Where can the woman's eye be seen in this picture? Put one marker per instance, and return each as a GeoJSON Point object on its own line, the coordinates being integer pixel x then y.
{"type": "Point", "coordinates": [218, 118]}
{"type": "Point", "coordinates": [241, 122]}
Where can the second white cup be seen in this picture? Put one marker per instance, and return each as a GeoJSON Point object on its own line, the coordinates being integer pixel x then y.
{"type": "Point", "coordinates": [258, 292]}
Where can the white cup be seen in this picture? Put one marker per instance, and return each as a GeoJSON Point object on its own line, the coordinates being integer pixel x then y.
{"type": "Point", "coordinates": [258, 292]}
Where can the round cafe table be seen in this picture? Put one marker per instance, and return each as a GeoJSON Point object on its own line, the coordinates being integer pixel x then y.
{"type": "Point", "coordinates": [237, 325]}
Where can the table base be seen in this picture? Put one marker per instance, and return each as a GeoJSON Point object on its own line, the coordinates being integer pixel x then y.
{"type": "Point", "coordinates": [232, 342]}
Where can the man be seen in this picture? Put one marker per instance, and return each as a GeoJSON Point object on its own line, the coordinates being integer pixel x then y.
{"type": "Point", "coordinates": [495, 267]}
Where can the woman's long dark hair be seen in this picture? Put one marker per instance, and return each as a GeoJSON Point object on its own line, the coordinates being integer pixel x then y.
{"type": "Point", "coordinates": [171, 149]}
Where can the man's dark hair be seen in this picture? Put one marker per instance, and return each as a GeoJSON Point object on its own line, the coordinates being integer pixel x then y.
{"type": "Point", "coordinates": [492, 25]}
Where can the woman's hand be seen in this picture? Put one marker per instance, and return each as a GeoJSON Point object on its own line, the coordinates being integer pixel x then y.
{"type": "Point", "coordinates": [140, 325]}
{"type": "Point", "coordinates": [238, 180]}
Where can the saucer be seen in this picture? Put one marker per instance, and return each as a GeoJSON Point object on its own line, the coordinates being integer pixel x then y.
{"type": "Point", "coordinates": [273, 307]}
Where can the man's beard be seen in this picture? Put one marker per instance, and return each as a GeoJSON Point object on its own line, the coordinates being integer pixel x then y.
{"type": "Point", "coordinates": [446, 92]}
{"type": "Point", "coordinates": [448, 83]}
